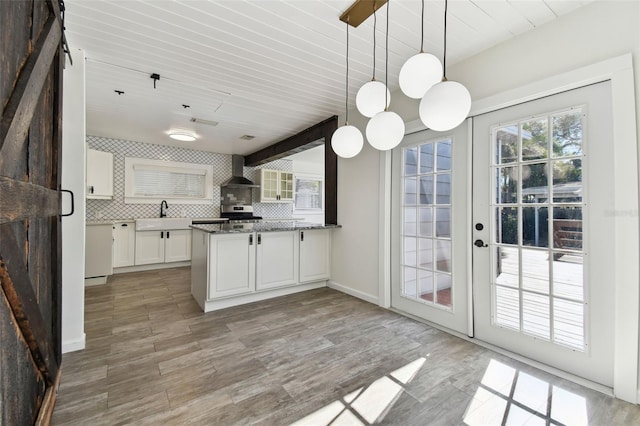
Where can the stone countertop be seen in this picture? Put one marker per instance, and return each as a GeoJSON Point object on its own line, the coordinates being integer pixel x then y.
{"type": "Point", "coordinates": [229, 228]}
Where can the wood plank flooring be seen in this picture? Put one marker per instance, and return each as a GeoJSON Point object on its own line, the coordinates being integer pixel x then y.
{"type": "Point", "coordinates": [316, 358]}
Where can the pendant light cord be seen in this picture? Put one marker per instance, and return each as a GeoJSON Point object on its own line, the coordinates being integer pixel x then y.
{"type": "Point", "coordinates": [346, 83]}
{"type": "Point", "coordinates": [422, 29]}
{"type": "Point", "coordinates": [444, 56]}
{"type": "Point", "coordinates": [386, 63]}
{"type": "Point", "coordinates": [374, 41]}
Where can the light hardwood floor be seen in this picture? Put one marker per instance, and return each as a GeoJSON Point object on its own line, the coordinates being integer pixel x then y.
{"type": "Point", "coordinates": [317, 357]}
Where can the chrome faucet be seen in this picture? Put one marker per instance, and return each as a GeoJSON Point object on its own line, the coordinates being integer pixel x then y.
{"type": "Point", "coordinates": [163, 213]}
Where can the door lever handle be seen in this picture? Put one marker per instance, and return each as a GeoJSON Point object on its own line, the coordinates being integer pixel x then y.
{"type": "Point", "coordinates": [479, 243]}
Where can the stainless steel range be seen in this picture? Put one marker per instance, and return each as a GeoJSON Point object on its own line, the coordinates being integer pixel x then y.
{"type": "Point", "coordinates": [239, 213]}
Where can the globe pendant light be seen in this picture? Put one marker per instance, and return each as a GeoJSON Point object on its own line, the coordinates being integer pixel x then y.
{"type": "Point", "coordinates": [373, 96]}
{"type": "Point", "coordinates": [447, 103]}
{"type": "Point", "coordinates": [421, 71]}
{"type": "Point", "coordinates": [386, 129]}
{"type": "Point", "coordinates": [347, 140]}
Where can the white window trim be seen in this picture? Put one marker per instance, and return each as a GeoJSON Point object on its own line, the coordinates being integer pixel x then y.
{"type": "Point", "coordinates": [295, 190]}
{"type": "Point", "coordinates": [131, 163]}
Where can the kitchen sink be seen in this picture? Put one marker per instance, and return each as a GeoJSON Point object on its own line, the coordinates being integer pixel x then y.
{"type": "Point", "coordinates": [162, 223]}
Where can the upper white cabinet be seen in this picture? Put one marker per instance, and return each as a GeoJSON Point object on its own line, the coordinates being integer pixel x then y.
{"type": "Point", "coordinates": [232, 265]}
{"type": "Point", "coordinates": [162, 246]}
{"type": "Point", "coordinates": [276, 186]}
{"type": "Point", "coordinates": [276, 259]}
{"type": "Point", "coordinates": [315, 257]}
{"type": "Point", "coordinates": [99, 174]}
{"type": "Point", "coordinates": [124, 244]}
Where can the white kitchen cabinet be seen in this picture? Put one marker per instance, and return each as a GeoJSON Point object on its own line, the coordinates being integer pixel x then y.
{"type": "Point", "coordinates": [177, 245]}
{"type": "Point", "coordinates": [97, 248]}
{"type": "Point", "coordinates": [149, 247]}
{"type": "Point", "coordinates": [232, 264]}
{"type": "Point", "coordinates": [99, 175]}
{"type": "Point", "coordinates": [315, 255]}
{"type": "Point", "coordinates": [276, 259]}
{"type": "Point", "coordinates": [276, 186]}
{"type": "Point", "coordinates": [124, 244]}
{"type": "Point", "coordinates": [162, 246]}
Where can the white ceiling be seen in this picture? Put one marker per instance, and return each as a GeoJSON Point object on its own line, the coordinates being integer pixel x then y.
{"type": "Point", "coordinates": [264, 68]}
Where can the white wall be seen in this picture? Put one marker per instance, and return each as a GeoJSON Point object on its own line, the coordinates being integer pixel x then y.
{"type": "Point", "coordinates": [73, 227]}
{"type": "Point", "coordinates": [593, 33]}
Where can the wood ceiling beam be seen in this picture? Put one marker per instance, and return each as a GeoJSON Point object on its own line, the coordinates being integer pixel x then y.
{"type": "Point", "coordinates": [306, 139]}
{"type": "Point", "coordinates": [315, 135]}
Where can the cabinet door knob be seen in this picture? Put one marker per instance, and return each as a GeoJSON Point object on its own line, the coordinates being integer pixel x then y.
{"type": "Point", "coordinates": [251, 239]}
{"type": "Point", "coordinates": [124, 225]}
{"type": "Point", "coordinates": [301, 235]}
{"type": "Point", "coordinates": [259, 239]}
{"type": "Point", "coordinates": [162, 234]}
{"type": "Point", "coordinates": [167, 234]}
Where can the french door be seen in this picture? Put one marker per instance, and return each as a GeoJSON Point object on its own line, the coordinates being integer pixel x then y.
{"type": "Point", "coordinates": [542, 258]}
{"type": "Point", "coordinates": [429, 212]}
{"type": "Point", "coordinates": [514, 222]}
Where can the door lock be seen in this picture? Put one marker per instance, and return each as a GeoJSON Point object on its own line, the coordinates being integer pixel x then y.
{"type": "Point", "coordinates": [479, 243]}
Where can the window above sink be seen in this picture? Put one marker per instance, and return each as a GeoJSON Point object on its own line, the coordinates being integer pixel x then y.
{"type": "Point", "coordinates": [149, 181]}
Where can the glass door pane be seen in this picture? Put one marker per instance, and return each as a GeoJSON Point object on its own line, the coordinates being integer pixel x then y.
{"type": "Point", "coordinates": [427, 196]}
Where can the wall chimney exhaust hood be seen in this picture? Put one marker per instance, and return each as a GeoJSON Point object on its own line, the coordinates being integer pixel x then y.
{"type": "Point", "coordinates": [237, 179]}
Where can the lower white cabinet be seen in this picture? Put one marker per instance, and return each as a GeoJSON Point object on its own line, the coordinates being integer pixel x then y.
{"type": "Point", "coordinates": [232, 265]}
{"type": "Point", "coordinates": [277, 256]}
{"type": "Point", "coordinates": [315, 255]}
{"type": "Point", "coordinates": [124, 244]}
{"type": "Point", "coordinates": [149, 247]}
{"type": "Point", "coordinates": [98, 251]}
{"type": "Point", "coordinates": [236, 268]}
{"type": "Point", "coordinates": [162, 246]}
{"type": "Point", "coordinates": [177, 245]}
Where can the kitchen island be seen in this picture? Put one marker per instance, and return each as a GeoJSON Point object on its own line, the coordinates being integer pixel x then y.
{"type": "Point", "coordinates": [239, 263]}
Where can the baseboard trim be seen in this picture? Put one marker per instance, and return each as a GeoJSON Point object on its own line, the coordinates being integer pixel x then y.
{"type": "Point", "coordinates": [74, 345]}
{"type": "Point", "coordinates": [150, 267]}
{"type": "Point", "coordinates": [351, 292]}
{"type": "Point", "coordinates": [90, 282]}
{"type": "Point", "coordinates": [216, 304]}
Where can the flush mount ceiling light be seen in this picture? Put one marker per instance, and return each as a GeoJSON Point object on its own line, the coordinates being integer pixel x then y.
{"type": "Point", "coordinates": [421, 71]}
{"type": "Point", "coordinates": [347, 140]}
{"type": "Point", "coordinates": [447, 103]}
{"type": "Point", "coordinates": [182, 136]}
{"type": "Point", "coordinates": [386, 129]}
{"type": "Point", "coordinates": [373, 97]}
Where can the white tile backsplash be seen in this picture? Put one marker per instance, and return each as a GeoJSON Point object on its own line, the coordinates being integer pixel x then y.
{"type": "Point", "coordinates": [117, 209]}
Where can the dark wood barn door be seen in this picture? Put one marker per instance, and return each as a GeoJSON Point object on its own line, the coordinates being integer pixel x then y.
{"type": "Point", "coordinates": [30, 250]}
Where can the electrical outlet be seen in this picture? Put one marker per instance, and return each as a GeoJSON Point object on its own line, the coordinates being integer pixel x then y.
{"type": "Point", "coordinates": [99, 214]}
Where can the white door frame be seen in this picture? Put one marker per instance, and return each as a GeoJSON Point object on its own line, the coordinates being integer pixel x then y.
{"type": "Point", "coordinates": [627, 250]}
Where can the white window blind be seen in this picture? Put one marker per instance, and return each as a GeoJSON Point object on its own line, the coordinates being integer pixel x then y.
{"type": "Point", "coordinates": [160, 183]}
{"type": "Point", "coordinates": [150, 180]}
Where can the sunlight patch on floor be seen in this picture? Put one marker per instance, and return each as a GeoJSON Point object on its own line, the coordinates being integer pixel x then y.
{"type": "Point", "coordinates": [366, 405]}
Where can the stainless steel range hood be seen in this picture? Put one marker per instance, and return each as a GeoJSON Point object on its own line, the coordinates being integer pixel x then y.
{"type": "Point", "coordinates": [237, 179]}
